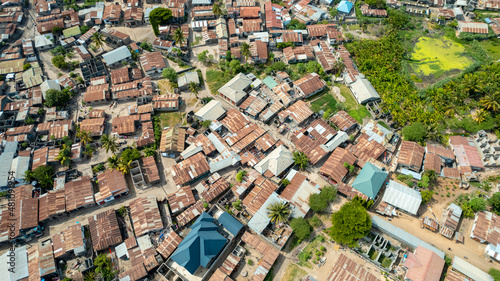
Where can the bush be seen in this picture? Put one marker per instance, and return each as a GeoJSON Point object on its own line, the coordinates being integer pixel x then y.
{"type": "Point", "coordinates": [322, 248]}
{"type": "Point", "coordinates": [250, 262]}
{"type": "Point", "coordinates": [314, 221]}
{"type": "Point", "coordinates": [240, 175]}
{"type": "Point", "coordinates": [59, 61]}
{"type": "Point", "coordinates": [206, 123]}
{"type": "Point", "coordinates": [301, 228]}
{"type": "Point", "coordinates": [319, 202]}
{"type": "Point", "coordinates": [26, 66]}
{"type": "Point", "coordinates": [415, 132]}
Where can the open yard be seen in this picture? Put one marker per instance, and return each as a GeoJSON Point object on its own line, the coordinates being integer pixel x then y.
{"type": "Point", "coordinates": [434, 57]}
{"type": "Point", "coordinates": [492, 48]}
{"type": "Point", "coordinates": [216, 79]}
{"type": "Point", "coordinates": [357, 111]}
{"type": "Point", "coordinates": [325, 102]}
{"type": "Point", "coordinates": [294, 273]}
{"type": "Point", "coordinates": [170, 119]}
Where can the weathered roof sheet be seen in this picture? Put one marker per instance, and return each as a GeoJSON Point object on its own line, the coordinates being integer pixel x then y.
{"type": "Point", "coordinates": [104, 230]}
{"type": "Point", "coordinates": [145, 215]}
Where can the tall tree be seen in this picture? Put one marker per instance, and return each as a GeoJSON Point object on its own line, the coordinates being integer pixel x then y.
{"type": "Point", "coordinates": [216, 9]}
{"type": "Point", "coordinates": [245, 50]}
{"type": "Point", "coordinates": [170, 74]}
{"type": "Point", "coordinates": [179, 36]}
{"type": "Point", "coordinates": [300, 159]}
{"type": "Point", "coordinates": [98, 40]}
{"type": "Point", "coordinates": [64, 155]}
{"type": "Point", "coordinates": [109, 143]}
{"type": "Point", "coordinates": [159, 16]}
{"type": "Point", "coordinates": [124, 166]}
{"type": "Point", "coordinates": [113, 162]}
{"type": "Point", "coordinates": [350, 223]}
{"type": "Point", "coordinates": [491, 101]}
{"type": "Point", "coordinates": [193, 87]}
{"type": "Point", "coordinates": [85, 136]}
{"type": "Point", "coordinates": [279, 212]}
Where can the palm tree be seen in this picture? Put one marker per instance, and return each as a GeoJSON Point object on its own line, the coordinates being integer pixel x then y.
{"type": "Point", "coordinates": [245, 50]}
{"type": "Point", "coordinates": [113, 162]}
{"type": "Point", "coordinates": [124, 166]}
{"type": "Point", "coordinates": [300, 159]}
{"type": "Point", "coordinates": [491, 101]}
{"type": "Point", "coordinates": [480, 116]}
{"type": "Point", "coordinates": [64, 155]}
{"type": "Point", "coordinates": [98, 40]}
{"type": "Point", "coordinates": [85, 137]}
{"type": "Point", "coordinates": [216, 9]}
{"type": "Point", "coordinates": [279, 212]}
{"type": "Point", "coordinates": [109, 143]}
{"type": "Point", "coordinates": [193, 87]}
{"type": "Point", "coordinates": [179, 36]}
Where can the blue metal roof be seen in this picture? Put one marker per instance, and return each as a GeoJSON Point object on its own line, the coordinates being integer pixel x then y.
{"type": "Point", "coordinates": [230, 223]}
{"type": "Point", "coordinates": [270, 82]}
{"type": "Point", "coordinates": [201, 245]}
{"type": "Point", "coordinates": [345, 6]}
{"type": "Point", "coordinates": [370, 180]}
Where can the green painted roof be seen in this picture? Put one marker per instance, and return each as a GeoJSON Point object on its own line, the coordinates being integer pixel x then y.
{"type": "Point", "coordinates": [270, 83]}
{"type": "Point", "coordinates": [72, 31]}
{"type": "Point", "coordinates": [370, 180]}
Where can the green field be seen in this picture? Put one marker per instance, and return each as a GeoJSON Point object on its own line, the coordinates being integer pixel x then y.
{"type": "Point", "coordinates": [437, 56]}
{"type": "Point", "coordinates": [492, 48]}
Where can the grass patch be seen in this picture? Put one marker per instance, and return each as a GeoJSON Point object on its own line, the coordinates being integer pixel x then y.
{"type": "Point", "coordinates": [325, 102]}
{"type": "Point", "coordinates": [293, 272]}
{"type": "Point", "coordinates": [373, 254]}
{"type": "Point", "coordinates": [165, 86]}
{"type": "Point", "coordinates": [170, 119]}
{"type": "Point", "coordinates": [216, 79]}
{"type": "Point", "coordinates": [308, 252]}
{"type": "Point", "coordinates": [384, 125]}
{"type": "Point", "coordinates": [435, 56]}
{"type": "Point", "coordinates": [491, 47]}
{"type": "Point", "coordinates": [294, 243]}
{"type": "Point", "coordinates": [196, 41]}
{"type": "Point", "coordinates": [386, 262]}
{"type": "Point", "coordinates": [357, 111]}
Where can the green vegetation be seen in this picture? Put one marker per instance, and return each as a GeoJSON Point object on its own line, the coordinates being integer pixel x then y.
{"type": "Point", "coordinates": [415, 132]}
{"type": "Point", "coordinates": [325, 102]}
{"type": "Point", "coordinates": [319, 202]}
{"type": "Point", "coordinates": [470, 204]}
{"type": "Point", "coordinates": [350, 223]}
{"type": "Point", "coordinates": [240, 175]}
{"type": "Point", "coordinates": [43, 175]}
{"type": "Point", "coordinates": [357, 111]}
{"type": "Point", "coordinates": [495, 273]}
{"type": "Point", "coordinates": [307, 252]}
{"type": "Point", "coordinates": [250, 262]}
{"type": "Point", "coordinates": [170, 119]}
{"type": "Point", "coordinates": [159, 16]}
{"type": "Point", "coordinates": [373, 255]}
{"type": "Point", "coordinates": [386, 262]}
{"type": "Point", "coordinates": [426, 196]}
{"type": "Point", "coordinates": [494, 202]}
{"type": "Point", "coordinates": [491, 47]}
{"type": "Point", "coordinates": [386, 71]}
{"type": "Point", "coordinates": [170, 74]}
{"type": "Point", "coordinates": [206, 123]}
{"type": "Point", "coordinates": [57, 98]}
{"type": "Point", "coordinates": [437, 56]}
{"type": "Point", "coordinates": [215, 80]}
{"type": "Point", "coordinates": [314, 221]}
{"type": "Point", "coordinates": [300, 159]}
{"type": "Point", "coordinates": [301, 228]}
{"type": "Point", "coordinates": [293, 273]}
{"type": "Point", "coordinates": [279, 212]}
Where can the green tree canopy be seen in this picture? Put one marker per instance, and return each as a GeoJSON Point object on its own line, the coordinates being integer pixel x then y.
{"type": "Point", "coordinates": [240, 175]}
{"type": "Point", "coordinates": [131, 155]}
{"type": "Point", "coordinates": [376, 3]}
{"type": "Point", "coordinates": [477, 204]}
{"type": "Point", "coordinates": [415, 132]}
{"type": "Point", "coordinates": [301, 228]}
{"type": "Point", "coordinates": [43, 175]}
{"type": "Point", "coordinates": [296, 24]}
{"type": "Point", "coordinates": [300, 159]}
{"type": "Point", "coordinates": [84, 29]}
{"type": "Point", "coordinates": [279, 212]}
{"type": "Point", "coordinates": [426, 196]}
{"type": "Point", "coordinates": [319, 202]}
{"type": "Point", "coordinates": [57, 30]}
{"type": "Point", "coordinates": [57, 98]}
{"type": "Point", "coordinates": [59, 61]}
{"type": "Point", "coordinates": [350, 223]}
{"type": "Point", "coordinates": [494, 202]}
{"type": "Point", "coordinates": [203, 56]}
{"type": "Point", "coordinates": [170, 74]}
{"type": "Point", "coordinates": [159, 16]}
